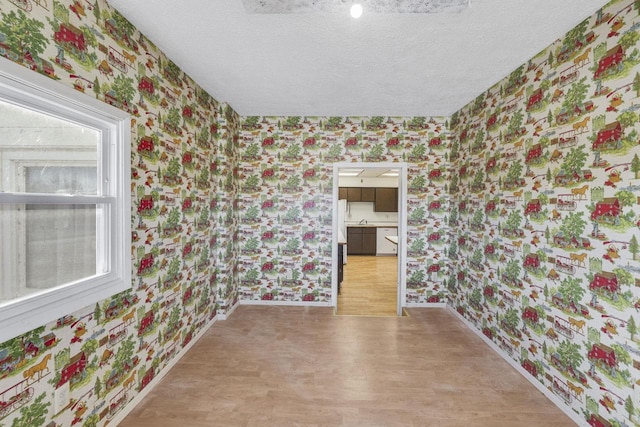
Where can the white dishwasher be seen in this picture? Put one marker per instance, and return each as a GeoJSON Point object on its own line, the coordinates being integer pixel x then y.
{"type": "Point", "coordinates": [384, 246]}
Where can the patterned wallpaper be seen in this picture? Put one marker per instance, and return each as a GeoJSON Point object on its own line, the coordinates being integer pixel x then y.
{"type": "Point", "coordinates": [184, 187]}
{"type": "Point", "coordinates": [285, 194]}
{"type": "Point", "coordinates": [524, 215]}
{"type": "Point", "coordinates": [544, 247]}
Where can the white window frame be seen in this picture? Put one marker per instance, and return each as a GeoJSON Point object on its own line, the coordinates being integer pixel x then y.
{"type": "Point", "coordinates": [26, 87]}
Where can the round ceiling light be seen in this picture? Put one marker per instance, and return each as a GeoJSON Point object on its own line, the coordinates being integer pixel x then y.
{"type": "Point", "coordinates": [356, 11]}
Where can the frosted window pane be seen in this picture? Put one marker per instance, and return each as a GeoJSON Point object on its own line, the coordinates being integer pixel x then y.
{"type": "Point", "coordinates": [32, 137]}
{"type": "Point", "coordinates": [52, 245]}
{"type": "Point", "coordinates": [60, 244]}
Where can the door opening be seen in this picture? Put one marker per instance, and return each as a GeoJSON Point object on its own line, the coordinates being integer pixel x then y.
{"type": "Point", "coordinates": [361, 222]}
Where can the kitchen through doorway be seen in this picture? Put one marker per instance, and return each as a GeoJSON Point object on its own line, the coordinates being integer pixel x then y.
{"type": "Point", "coordinates": [369, 226]}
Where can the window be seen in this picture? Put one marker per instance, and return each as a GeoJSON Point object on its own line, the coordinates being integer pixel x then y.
{"type": "Point", "coordinates": [64, 200]}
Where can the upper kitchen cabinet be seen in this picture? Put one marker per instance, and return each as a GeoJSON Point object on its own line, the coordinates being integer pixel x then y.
{"type": "Point", "coordinates": [357, 194]}
{"type": "Point", "coordinates": [386, 200]}
{"type": "Point", "coordinates": [368, 194]}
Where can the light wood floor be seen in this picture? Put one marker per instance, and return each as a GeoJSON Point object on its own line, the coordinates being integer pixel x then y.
{"type": "Point", "coordinates": [370, 286]}
{"type": "Point", "coordinates": [303, 366]}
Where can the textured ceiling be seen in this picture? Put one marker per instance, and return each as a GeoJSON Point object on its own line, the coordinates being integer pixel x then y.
{"type": "Point", "coordinates": [343, 6]}
{"type": "Point", "coordinates": [403, 64]}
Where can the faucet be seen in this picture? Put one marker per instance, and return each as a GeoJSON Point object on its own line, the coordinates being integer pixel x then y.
{"type": "Point", "coordinates": [362, 221]}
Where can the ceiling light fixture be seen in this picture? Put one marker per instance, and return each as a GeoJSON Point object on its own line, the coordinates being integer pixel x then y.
{"type": "Point", "coordinates": [349, 172]}
{"type": "Point", "coordinates": [356, 11]}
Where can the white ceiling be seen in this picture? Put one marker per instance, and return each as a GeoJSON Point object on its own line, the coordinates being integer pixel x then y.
{"type": "Point", "coordinates": [329, 64]}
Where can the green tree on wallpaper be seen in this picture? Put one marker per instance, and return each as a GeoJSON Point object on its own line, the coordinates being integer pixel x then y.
{"type": "Point", "coordinates": [97, 386]}
{"type": "Point", "coordinates": [570, 354]}
{"type": "Point", "coordinates": [628, 119]}
{"type": "Point", "coordinates": [292, 246]}
{"type": "Point", "coordinates": [511, 318]}
{"type": "Point", "coordinates": [23, 33]}
{"type": "Point", "coordinates": [512, 270]}
{"type": "Point", "coordinates": [515, 77]}
{"type": "Point", "coordinates": [123, 25]}
{"type": "Point", "coordinates": [124, 354]}
{"type": "Point", "coordinates": [624, 277]}
{"type": "Point", "coordinates": [417, 215]}
{"type": "Point", "coordinates": [251, 123]}
{"type": "Point", "coordinates": [478, 217]}
{"type": "Point", "coordinates": [513, 220]}
{"type": "Point", "coordinates": [15, 346]}
{"type": "Point", "coordinates": [416, 278]}
{"type": "Point", "coordinates": [632, 327]}
{"type": "Point", "coordinates": [96, 10]}
{"type": "Point", "coordinates": [573, 225]}
{"type": "Point", "coordinates": [418, 183]}
{"type": "Point", "coordinates": [634, 248]}
{"type": "Point", "coordinates": [91, 421]}
{"type": "Point", "coordinates": [575, 37]}
{"type": "Point", "coordinates": [476, 259]}
{"type": "Point", "coordinates": [478, 180]}
{"type": "Point", "coordinates": [629, 407]}
{"type": "Point", "coordinates": [574, 161]}
{"type": "Point", "coordinates": [629, 40]}
{"type": "Point", "coordinates": [33, 414]}
{"type": "Point", "coordinates": [635, 165]}
{"type": "Point", "coordinates": [417, 246]}
{"type": "Point", "coordinates": [571, 290]}
{"type": "Point", "coordinates": [418, 152]}
{"type": "Point", "coordinates": [90, 346]}
{"type": "Point", "coordinates": [333, 123]}
{"type": "Point", "coordinates": [575, 95]}
{"type": "Point", "coordinates": [514, 174]}
{"type": "Point", "coordinates": [123, 88]}
{"type": "Point", "coordinates": [515, 123]}
{"type": "Point", "coordinates": [292, 122]}
{"type": "Point", "coordinates": [375, 123]}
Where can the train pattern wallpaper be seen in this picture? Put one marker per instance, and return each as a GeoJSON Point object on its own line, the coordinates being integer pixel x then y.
{"type": "Point", "coordinates": [522, 214]}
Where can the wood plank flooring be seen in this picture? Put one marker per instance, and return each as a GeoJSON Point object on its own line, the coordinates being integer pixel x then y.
{"type": "Point", "coordinates": [303, 366]}
{"type": "Point", "coordinates": [370, 286]}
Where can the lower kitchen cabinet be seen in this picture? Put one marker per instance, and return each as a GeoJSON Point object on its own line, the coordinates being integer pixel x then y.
{"type": "Point", "coordinates": [361, 240]}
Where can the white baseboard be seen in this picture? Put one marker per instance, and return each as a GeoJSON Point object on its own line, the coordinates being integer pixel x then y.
{"type": "Point", "coordinates": [287, 303]}
{"type": "Point", "coordinates": [548, 393]}
{"type": "Point", "coordinates": [229, 312]}
{"type": "Point", "coordinates": [120, 416]}
{"type": "Point", "coordinates": [425, 305]}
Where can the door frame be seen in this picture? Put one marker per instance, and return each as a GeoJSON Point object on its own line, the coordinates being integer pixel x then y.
{"type": "Point", "coordinates": [402, 226]}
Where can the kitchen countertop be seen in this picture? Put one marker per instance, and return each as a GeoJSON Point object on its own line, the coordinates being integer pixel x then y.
{"type": "Point", "coordinates": [373, 224]}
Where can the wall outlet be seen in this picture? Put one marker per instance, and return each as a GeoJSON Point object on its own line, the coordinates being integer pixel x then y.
{"type": "Point", "coordinates": [61, 398]}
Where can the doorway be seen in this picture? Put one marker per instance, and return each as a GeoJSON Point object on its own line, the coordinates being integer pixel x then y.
{"type": "Point", "coordinates": [382, 263]}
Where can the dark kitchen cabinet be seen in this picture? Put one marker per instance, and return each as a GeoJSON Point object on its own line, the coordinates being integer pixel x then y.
{"type": "Point", "coordinates": [368, 194]}
{"type": "Point", "coordinates": [386, 200]}
{"type": "Point", "coordinates": [361, 240]}
{"type": "Point", "coordinates": [343, 193]}
{"type": "Point", "coordinates": [357, 194]}
{"type": "Point", "coordinates": [354, 194]}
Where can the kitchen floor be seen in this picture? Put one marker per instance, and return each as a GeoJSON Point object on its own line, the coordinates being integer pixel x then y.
{"type": "Point", "coordinates": [369, 287]}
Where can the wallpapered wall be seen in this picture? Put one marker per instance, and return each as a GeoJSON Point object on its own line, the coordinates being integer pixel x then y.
{"type": "Point", "coordinates": [184, 163]}
{"type": "Point", "coordinates": [544, 248]}
{"type": "Point", "coordinates": [285, 192]}
{"type": "Point", "coordinates": [525, 217]}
